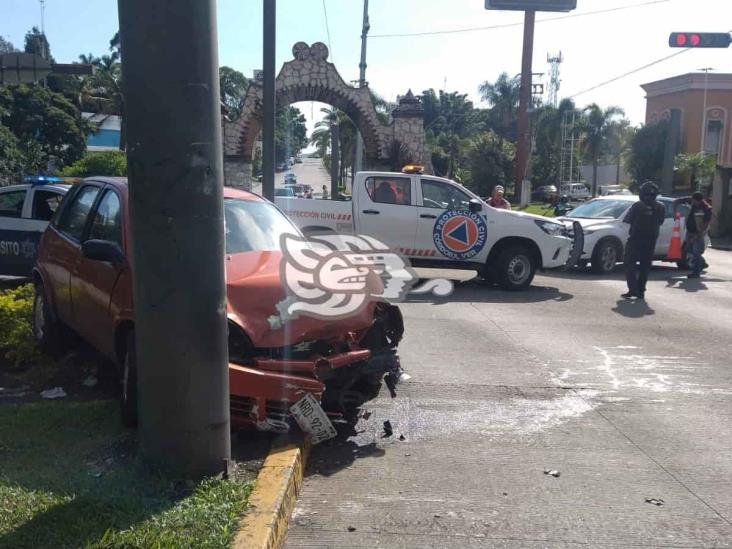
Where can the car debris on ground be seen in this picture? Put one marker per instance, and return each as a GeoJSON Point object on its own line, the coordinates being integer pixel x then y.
{"type": "Point", "coordinates": [388, 430]}
{"type": "Point", "coordinates": [655, 501]}
{"type": "Point", "coordinates": [552, 473]}
{"type": "Point", "coordinates": [56, 392]}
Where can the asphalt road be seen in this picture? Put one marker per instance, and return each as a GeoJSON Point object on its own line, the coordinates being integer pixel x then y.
{"type": "Point", "coordinates": [310, 171]}
{"type": "Point", "coordinates": [627, 400]}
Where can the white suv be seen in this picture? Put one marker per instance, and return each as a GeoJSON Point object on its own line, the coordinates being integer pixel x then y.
{"type": "Point", "coordinates": [606, 235]}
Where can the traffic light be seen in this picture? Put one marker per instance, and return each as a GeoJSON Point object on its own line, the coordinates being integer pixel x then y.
{"type": "Point", "coordinates": [700, 40]}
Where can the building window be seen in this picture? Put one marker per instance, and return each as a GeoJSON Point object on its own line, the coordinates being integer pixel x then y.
{"type": "Point", "coordinates": [713, 138]}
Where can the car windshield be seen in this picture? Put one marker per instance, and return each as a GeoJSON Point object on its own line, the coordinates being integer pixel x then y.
{"type": "Point", "coordinates": [601, 209]}
{"type": "Point", "coordinates": [252, 226]}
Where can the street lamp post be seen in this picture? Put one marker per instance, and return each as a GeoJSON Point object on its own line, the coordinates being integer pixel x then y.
{"type": "Point", "coordinates": [704, 113]}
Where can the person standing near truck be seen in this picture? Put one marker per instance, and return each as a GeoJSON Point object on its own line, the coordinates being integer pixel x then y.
{"type": "Point", "coordinates": [645, 218]}
{"type": "Point", "coordinates": [497, 200]}
{"type": "Point", "coordinates": [697, 225]}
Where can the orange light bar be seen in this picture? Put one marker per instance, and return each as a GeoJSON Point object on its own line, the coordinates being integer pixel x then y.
{"type": "Point", "coordinates": [413, 168]}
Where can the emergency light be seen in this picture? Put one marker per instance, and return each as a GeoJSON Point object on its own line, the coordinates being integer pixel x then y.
{"type": "Point", "coordinates": [413, 168]}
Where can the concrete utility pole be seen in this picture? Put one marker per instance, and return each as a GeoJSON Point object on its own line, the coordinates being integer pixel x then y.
{"type": "Point", "coordinates": [358, 164]}
{"type": "Point", "coordinates": [171, 88]}
{"type": "Point", "coordinates": [524, 137]}
{"type": "Point", "coordinates": [269, 101]}
{"type": "Point", "coordinates": [335, 156]}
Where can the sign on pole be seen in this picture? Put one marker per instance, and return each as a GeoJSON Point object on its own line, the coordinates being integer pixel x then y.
{"type": "Point", "coordinates": [531, 5]}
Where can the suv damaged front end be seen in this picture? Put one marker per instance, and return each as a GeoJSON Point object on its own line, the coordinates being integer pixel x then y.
{"type": "Point", "coordinates": [342, 367]}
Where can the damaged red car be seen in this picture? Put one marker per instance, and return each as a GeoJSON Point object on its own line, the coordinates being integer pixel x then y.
{"type": "Point", "coordinates": [83, 283]}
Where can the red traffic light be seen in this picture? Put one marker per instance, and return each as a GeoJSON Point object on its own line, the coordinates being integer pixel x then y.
{"type": "Point", "coordinates": [700, 40]}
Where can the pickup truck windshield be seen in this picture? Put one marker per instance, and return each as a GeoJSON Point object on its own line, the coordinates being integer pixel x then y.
{"type": "Point", "coordinates": [601, 209]}
{"type": "Point", "coordinates": [254, 226]}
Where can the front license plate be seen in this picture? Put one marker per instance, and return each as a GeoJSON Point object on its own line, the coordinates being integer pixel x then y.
{"type": "Point", "coordinates": [312, 419]}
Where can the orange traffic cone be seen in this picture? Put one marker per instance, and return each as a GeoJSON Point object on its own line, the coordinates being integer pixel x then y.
{"type": "Point", "coordinates": [674, 249]}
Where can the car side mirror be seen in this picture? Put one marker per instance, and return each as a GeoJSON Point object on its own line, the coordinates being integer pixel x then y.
{"type": "Point", "coordinates": [475, 206]}
{"type": "Point", "coordinates": [103, 250]}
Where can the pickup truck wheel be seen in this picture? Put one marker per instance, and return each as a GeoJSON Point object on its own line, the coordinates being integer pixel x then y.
{"type": "Point", "coordinates": [604, 257]}
{"type": "Point", "coordinates": [128, 401]}
{"type": "Point", "coordinates": [516, 268]}
{"type": "Point", "coordinates": [46, 329]}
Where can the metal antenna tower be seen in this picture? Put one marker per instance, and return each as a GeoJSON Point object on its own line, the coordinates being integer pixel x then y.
{"type": "Point", "coordinates": [554, 84]}
{"type": "Point", "coordinates": [43, 16]}
{"type": "Point", "coordinates": [569, 169]}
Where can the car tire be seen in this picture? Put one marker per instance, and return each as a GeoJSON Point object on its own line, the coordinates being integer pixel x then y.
{"type": "Point", "coordinates": [46, 328]}
{"type": "Point", "coordinates": [605, 257]}
{"type": "Point", "coordinates": [128, 399]}
{"type": "Point", "coordinates": [516, 268]}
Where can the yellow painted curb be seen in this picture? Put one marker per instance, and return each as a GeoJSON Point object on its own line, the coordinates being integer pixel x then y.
{"type": "Point", "coordinates": [271, 503]}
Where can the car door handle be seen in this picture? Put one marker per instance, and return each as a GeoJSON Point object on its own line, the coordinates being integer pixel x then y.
{"type": "Point", "coordinates": [372, 212]}
{"type": "Point", "coordinates": [428, 216]}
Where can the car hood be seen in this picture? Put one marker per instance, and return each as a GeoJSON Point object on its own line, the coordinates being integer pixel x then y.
{"type": "Point", "coordinates": [524, 215]}
{"type": "Point", "coordinates": [590, 223]}
{"type": "Point", "coordinates": [253, 290]}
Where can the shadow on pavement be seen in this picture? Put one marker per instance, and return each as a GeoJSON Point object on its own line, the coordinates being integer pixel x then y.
{"type": "Point", "coordinates": [340, 453]}
{"type": "Point", "coordinates": [692, 285]}
{"type": "Point", "coordinates": [658, 272]}
{"type": "Point", "coordinates": [478, 291]}
{"type": "Point", "coordinates": [637, 308]}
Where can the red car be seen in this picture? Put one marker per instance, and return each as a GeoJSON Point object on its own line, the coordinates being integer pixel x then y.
{"type": "Point", "coordinates": [83, 282]}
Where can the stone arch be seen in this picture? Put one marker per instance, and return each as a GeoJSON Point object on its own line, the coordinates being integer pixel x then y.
{"type": "Point", "coordinates": [310, 77]}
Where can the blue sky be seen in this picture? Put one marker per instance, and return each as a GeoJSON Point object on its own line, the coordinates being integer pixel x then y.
{"type": "Point", "coordinates": [596, 47]}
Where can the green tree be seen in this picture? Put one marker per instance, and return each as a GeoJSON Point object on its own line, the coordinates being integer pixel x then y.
{"type": "Point", "coordinates": [290, 132]}
{"type": "Point", "coordinates": [619, 143]}
{"type": "Point", "coordinates": [233, 87]}
{"type": "Point", "coordinates": [647, 150]}
{"type": "Point", "coordinates": [48, 126]}
{"type": "Point", "coordinates": [321, 138]}
{"type": "Point", "coordinates": [37, 43]}
{"type": "Point", "coordinates": [503, 96]}
{"type": "Point", "coordinates": [597, 125]}
{"type": "Point", "coordinates": [107, 163]}
{"type": "Point", "coordinates": [546, 158]}
{"type": "Point", "coordinates": [6, 46]}
{"type": "Point", "coordinates": [700, 166]}
{"type": "Point", "coordinates": [490, 161]}
{"type": "Point", "coordinates": [450, 120]}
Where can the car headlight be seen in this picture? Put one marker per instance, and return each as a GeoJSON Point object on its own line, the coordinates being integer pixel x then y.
{"type": "Point", "coordinates": [551, 228]}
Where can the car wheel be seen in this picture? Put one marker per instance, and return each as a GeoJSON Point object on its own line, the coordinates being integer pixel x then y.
{"type": "Point", "coordinates": [45, 328]}
{"type": "Point", "coordinates": [128, 400]}
{"type": "Point", "coordinates": [604, 257]}
{"type": "Point", "coordinates": [516, 268]}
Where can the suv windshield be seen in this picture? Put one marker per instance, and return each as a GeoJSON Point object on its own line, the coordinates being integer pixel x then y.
{"type": "Point", "coordinates": [601, 209]}
{"type": "Point", "coordinates": [254, 226]}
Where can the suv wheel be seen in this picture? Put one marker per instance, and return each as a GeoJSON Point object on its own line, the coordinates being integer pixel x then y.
{"type": "Point", "coordinates": [604, 257]}
{"type": "Point", "coordinates": [516, 268]}
{"type": "Point", "coordinates": [45, 327]}
{"type": "Point", "coordinates": [129, 384]}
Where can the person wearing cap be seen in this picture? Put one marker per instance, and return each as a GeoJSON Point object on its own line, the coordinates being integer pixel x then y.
{"type": "Point", "coordinates": [697, 225]}
{"type": "Point", "coordinates": [645, 218]}
{"type": "Point", "coordinates": [497, 201]}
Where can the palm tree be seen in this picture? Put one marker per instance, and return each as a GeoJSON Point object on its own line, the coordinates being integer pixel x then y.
{"type": "Point", "coordinates": [621, 139]}
{"type": "Point", "coordinates": [597, 125]}
{"type": "Point", "coordinates": [699, 164]}
{"type": "Point", "coordinates": [503, 97]}
{"type": "Point", "coordinates": [346, 138]}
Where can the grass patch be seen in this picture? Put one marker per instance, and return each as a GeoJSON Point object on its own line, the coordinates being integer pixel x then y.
{"type": "Point", "coordinates": [537, 209]}
{"type": "Point", "coordinates": [70, 477]}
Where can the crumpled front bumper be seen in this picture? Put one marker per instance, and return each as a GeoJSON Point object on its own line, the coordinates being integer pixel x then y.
{"type": "Point", "coordinates": [261, 394]}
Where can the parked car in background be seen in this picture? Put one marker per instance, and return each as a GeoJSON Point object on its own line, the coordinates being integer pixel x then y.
{"type": "Point", "coordinates": [25, 211]}
{"type": "Point", "coordinates": [545, 193]}
{"type": "Point", "coordinates": [290, 178]}
{"type": "Point", "coordinates": [606, 236]}
{"type": "Point", "coordinates": [298, 160]}
{"type": "Point", "coordinates": [575, 191]}
{"type": "Point", "coordinates": [300, 190]}
{"type": "Point", "coordinates": [83, 282]}
{"type": "Point", "coordinates": [608, 190]}
{"type": "Point", "coordinates": [286, 192]}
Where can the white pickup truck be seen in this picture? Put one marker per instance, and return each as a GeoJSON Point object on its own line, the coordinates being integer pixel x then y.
{"type": "Point", "coordinates": [436, 222]}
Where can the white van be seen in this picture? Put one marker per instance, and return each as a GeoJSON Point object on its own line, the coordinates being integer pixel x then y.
{"type": "Point", "coordinates": [575, 191]}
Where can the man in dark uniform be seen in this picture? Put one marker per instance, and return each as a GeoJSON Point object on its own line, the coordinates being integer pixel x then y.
{"type": "Point", "coordinates": [645, 218]}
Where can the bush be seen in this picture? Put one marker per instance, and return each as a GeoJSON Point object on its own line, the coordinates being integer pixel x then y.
{"type": "Point", "coordinates": [109, 163]}
{"type": "Point", "coordinates": [17, 343]}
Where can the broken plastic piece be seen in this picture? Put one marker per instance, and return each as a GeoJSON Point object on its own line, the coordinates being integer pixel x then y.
{"type": "Point", "coordinates": [654, 501]}
{"type": "Point", "coordinates": [56, 392]}
{"type": "Point", "coordinates": [552, 472]}
{"type": "Point", "coordinates": [405, 377]}
{"type": "Point", "coordinates": [402, 437]}
{"type": "Point", "coordinates": [388, 430]}
{"type": "Point", "coordinates": [351, 528]}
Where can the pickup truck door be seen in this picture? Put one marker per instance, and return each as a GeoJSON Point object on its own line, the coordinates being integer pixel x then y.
{"type": "Point", "coordinates": [386, 210]}
{"type": "Point", "coordinates": [461, 237]}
